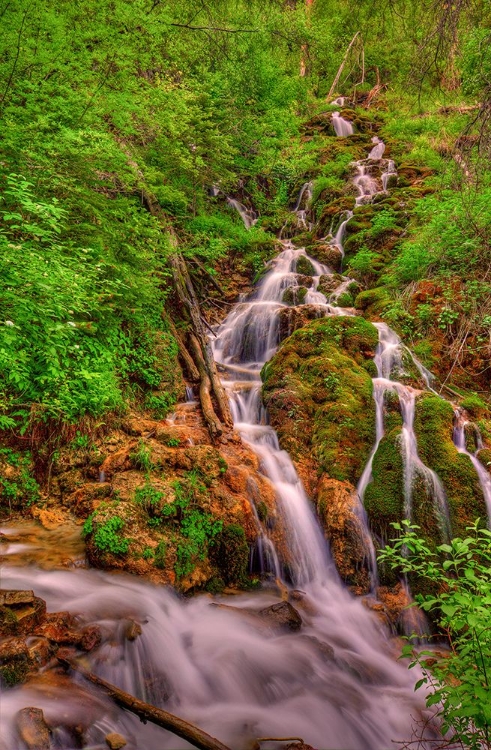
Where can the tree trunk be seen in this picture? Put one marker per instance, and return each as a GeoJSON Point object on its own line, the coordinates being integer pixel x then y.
{"type": "Point", "coordinates": [146, 712]}
{"type": "Point", "coordinates": [187, 297]}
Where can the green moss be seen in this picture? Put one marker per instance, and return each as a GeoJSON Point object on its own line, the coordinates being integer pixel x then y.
{"type": "Point", "coordinates": [304, 266]}
{"type": "Point", "coordinates": [319, 394]}
{"type": "Point", "coordinates": [384, 496]}
{"type": "Point", "coordinates": [294, 295]}
{"type": "Point", "coordinates": [474, 406]}
{"type": "Point", "coordinates": [434, 425]}
{"type": "Point", "coordinates": [373, 301]}
{"type": "Point", "coordinates": [230, 553]}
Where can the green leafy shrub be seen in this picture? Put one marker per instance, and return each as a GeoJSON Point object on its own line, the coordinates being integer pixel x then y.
{"type": "Point", "coordinates": [18, 487]}
{"type": "Point", "coordinates": [460, 572]}
{"type": "Point", "coordinates": [107, 536]}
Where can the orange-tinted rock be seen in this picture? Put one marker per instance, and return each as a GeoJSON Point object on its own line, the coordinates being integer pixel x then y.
{"type": "Point", "coordinates": [339, 511]}
{"type": "Point", "coordinates": [33, 729]}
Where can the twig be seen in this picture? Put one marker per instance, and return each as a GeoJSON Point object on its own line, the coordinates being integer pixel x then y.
{"type": "Point", "coordinates": [343, 63]}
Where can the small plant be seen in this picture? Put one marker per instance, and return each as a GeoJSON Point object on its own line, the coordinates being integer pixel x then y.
{"type": "Point", "coordinates": [147, 553]}
{"type": "Point", "coordinates": [80, 442]}
{"type": "Point", "coordinates": [107, 536]}
{"type": "Point", "coordinates": [17, 485]}
{"type": "Point", "coordinates": [141, 458]}
{"type": "Point", "coordinates": [160, 555]}
{"type": "Point", "coordinates": [173, 442]}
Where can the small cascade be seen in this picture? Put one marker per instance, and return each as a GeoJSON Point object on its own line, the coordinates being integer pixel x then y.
{"type": "Point", "coordinates": [339, 102]}
{"type": "Point", "coordinates": [388, 359]}
{"type": "Point", "coordinates": [378, 149]}
{"type": "Point", "coordinates": [460, 443]}
{"type": "Point", "coordinates": [366, 185]}
{"type": "Point", "coordinates": [190, 397]}
{"type": "Point", "coordinates": [248, 216]}
{"type": "Point", "coordinates": [343, 128]}
{"type": "Point", "coordinates": [390, 172]}
{"type": "Point", "coordinates": [338, 238]}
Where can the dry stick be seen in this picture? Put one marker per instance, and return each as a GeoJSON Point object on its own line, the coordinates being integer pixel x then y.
{"type": "Point", "coordinates": [343, 63]}
{"type": "Point", "coordinates": [146, 712]}
{"type": "Point", "coordinates": [214, 425]}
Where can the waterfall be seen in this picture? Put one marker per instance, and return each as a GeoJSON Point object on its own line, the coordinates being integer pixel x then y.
{"type": "Point", "coordinates": [248, 216]}
{"type": "Point", "coordinates": [378, 149]}
{"type": "Point", "coordinates": [343, 128]}
{"type": "Point", "coordinates": [388, 358]}
{"type": "Point", "coordinates": [335, 683]}
{"type": "Point", "coordinates": [460, 444]}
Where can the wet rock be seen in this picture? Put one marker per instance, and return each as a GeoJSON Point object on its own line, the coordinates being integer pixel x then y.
{"type": "Point", "coordinates": [304, 266]}
{"type": "Point", "coordinates": [137, 427]}
{"type": "Point", "coordinates": [282, 615]}
{"type": "Point", "coordinates": [49, 519]}
{"type": "Point", "coordinates": [33, 729]}
{"type": "Point", "coordinates": [115, 741]}
{"type": "Point", "coordinates": [299, 746]}
{"type": "Point", "coordinates": [91, 638]}
{"type": "Point", "coordinates": [20, 611]}
{"type": "Point", "coordinates": [15, 661]}
{"type": "Point", "coordinates": [11, 597]}
{"type": "Point", "coordinates": [39, 650]}
{"type": "Point", "coordinates": [293, 318]}
{"type": "Point", "coordinates": [132, 630]}
{"type": "Point", "coordinates": [294, 295]}
{"type": "Point", "coordinates": [339, 512]}
{"type": "Point", "coordinates": [59, 627]}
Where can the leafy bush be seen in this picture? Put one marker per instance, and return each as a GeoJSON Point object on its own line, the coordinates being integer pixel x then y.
{"type": "Point", "coordinates": [107, 536]}
{"type": "Point", "coordinates": [460, 573]}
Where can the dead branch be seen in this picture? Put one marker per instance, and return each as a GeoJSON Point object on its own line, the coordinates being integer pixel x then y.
{"type": "Point", "coordinates": [146, 712]}
{"type": "Point", "coordinates": [341, 67]}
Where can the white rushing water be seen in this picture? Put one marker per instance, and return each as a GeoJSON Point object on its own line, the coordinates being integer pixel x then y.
{"type": "Point", "coordinates": [335, 683]}
{"type": "Point", "coordinates": [460, 443]}
{"type": "Point", "coordinates": [248, 216]}
{"type": "Point", "coordinates": [343, 128]}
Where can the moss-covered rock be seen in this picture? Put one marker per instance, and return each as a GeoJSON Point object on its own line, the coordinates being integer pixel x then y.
{"type": "Point", "coordinates": [373, 301]}
{"type": "Point", "coordinates": [319, 395]}
{"type": "Point", "coordinates": [304, 266]}
{"type": "Point", "coordinates": [294, 295]}
{"type": "Point", "coordinates": [384, 496]}
{"type": "Point", "coordinates": [434, 425]}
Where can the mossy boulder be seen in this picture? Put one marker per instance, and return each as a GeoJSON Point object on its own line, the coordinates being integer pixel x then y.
{"type": "Point", "coordinates": [304, 266]}
{"type": "Point", "coordinates": [294, 295]}
{"type": "Point", "coordinates": [373, 302]}
{"type": "Point", "coordinates": [319, 395]}
{"type": "Point", "coordinates": [384, 496]}
{"type": "Point", "coordinates": [434, 426]}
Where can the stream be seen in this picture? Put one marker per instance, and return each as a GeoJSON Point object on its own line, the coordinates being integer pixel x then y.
{"type": "Point", "coordinates": [337, 682]}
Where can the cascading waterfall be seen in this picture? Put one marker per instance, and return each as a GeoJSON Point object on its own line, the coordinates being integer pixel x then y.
{"type": "Point", "coordinates": [343, 128]}
{"type": "Point", "coordinates": [334, 683]}
{"type": "Point", "coordinates": [459, 439]}
{"type": "Point", "coordinates": [248, 216]}
{"type": "Point", "coordinates": [388, 358]}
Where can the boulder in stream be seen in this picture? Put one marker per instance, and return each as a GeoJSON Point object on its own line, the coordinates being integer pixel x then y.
{"type": "Point", "coordinates": [33, 729]}
{"type": "Point", "coordinates": [282, 615]}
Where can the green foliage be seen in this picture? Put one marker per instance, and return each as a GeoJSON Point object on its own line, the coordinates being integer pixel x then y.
{"type": "Point", "coordinates": [18, 487]}
{"type": "Point", "coordinates": [141, 458]}
{"type": "Point", "coordinates": [107, 536]}
{"type": "Point", "coordinates": [461, 572]}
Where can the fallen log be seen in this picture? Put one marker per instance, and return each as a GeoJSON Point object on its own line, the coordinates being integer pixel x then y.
{"type": "Point", "coordinates": [146, 712]}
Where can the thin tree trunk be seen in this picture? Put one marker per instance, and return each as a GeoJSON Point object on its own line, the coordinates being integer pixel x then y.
{"type": "Point", "coordinates": [146, 712]}
{"type": "Point", "coordinates": [189, 364]}
{"type": "Point", "coordinates": [214, 425]}
{"type": "Point", "coordinates": [187, 296]}
{"type": "Point", "coordinates": [341, 67]}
